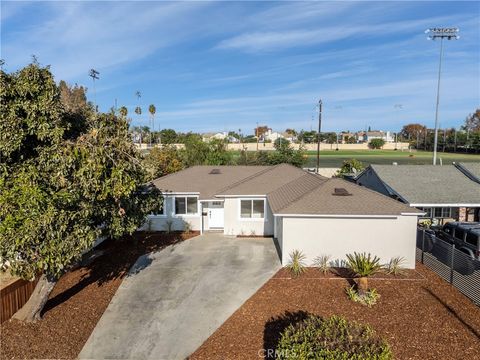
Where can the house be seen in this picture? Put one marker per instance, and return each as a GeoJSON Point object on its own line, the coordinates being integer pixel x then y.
{"type": "Point", "coordinates": [300, 210]}
{"type": "Point", "coordinates": [219, 136]}
{"type": "Point", "coordinates": [443, 192]}
{"type": "Point", "coordinates": [367, 136]}
{"type": "Point", "coordinates": [270, 135]}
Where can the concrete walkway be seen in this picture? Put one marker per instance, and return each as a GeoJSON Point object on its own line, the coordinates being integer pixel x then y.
{"type": "Point", "coordinates": [173, 300]}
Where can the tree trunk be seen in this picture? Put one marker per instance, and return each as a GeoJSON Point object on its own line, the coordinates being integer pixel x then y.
{"type": "Point", "coordinates": [32, 309]}
{"type": "Point", "coordinates": [362, 285]}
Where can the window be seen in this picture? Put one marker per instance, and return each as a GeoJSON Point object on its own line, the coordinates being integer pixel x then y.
{"type": "Point", "coordinates": [459, 234]}
{"type": "Point", "coordinates": [186, 205]}
{"type": "Point", "coordinates": [252, 209]}
{"type": "Point", "coordinates": [472, 238]}
{"type": "Point", "coordinates": [161, 212]}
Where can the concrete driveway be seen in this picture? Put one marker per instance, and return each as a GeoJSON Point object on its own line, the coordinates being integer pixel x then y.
{"type": "Point", "coordinates": [173, 300]}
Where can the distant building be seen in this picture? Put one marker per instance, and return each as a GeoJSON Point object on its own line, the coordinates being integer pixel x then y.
{"type": "Point", "coordinates": [367, 136]}
{"type": "Point", "coordinates": [219, 136]}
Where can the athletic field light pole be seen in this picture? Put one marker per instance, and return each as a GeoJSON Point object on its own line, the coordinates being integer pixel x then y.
{"type": "Point", "coordinates": [319, 129]}
{"type": "Point", "coordinates": [434, 34]}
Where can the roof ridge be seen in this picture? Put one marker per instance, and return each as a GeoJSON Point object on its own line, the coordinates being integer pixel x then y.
{"type": "Point", "coordinates": [248, 178]}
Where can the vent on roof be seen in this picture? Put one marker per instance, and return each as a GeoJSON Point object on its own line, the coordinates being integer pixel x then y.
{"type": "Point", "coordinates": [341, 192]}
{"type": "Point", "coordinates": [215, 171]}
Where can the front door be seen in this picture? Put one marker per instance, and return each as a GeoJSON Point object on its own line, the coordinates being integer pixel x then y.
{"type": "Point", "coordinates": [215, 215]}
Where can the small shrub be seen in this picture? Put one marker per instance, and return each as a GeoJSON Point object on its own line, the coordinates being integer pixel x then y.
{"type": "Point", "coordinates": [331, 339]}
{"type": "Point", "coordinates": [297, 263]}
{"type": "Point", "coordinates": [363, 264]}
{"type": "Point", "coordinates": [368, 298]}
{"type": "Point", "coordinates": [322, 263]}
{"type": "Point", "coordinates": [376, 143]}
{"type": "Point", "coordinates": [168, 226]}
{"type": "Point", "coordinates": [187, 227]}
{"type": "Point", "coordinates": [395, 266]}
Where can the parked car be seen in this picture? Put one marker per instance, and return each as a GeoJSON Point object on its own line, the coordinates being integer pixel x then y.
{"type": "Point", "coordinates": [465, 236]}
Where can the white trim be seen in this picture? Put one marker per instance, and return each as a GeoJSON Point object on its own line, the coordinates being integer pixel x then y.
{"type": "Point", "coordinates": [197, 214]}
{"type": "Point", "coordinates": [263, 219]}
{"type": "Point", "coordinates": [210, 200]}
{"type": "Point", "coordinates": [340, 216]}
{"type": "Point", "coordinates": [173, 193]}
{"type": "Point", "coordinates": [444, 205]}
{"type": "Point", "coordinates": [242, 196]}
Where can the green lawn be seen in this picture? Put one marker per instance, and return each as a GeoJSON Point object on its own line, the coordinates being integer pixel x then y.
{"type": "Point", "coordinates": [332, 158]}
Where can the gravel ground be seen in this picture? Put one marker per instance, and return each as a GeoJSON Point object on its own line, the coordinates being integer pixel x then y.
{"type": "Point", "coordinates": [420, 315]}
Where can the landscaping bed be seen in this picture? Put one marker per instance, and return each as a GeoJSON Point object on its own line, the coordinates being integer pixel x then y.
{"type": "Point", "coordinates": [420, 315]}
{"type": "Point", "coordinates": [79, 300]}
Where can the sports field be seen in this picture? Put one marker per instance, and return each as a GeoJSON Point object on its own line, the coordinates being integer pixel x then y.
{"type": "Point", "coordinates": [333, 159]}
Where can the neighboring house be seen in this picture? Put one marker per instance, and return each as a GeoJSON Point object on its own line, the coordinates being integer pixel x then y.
{"type": "Point", "coordinates": [367, 136]}
{"type": "Point", "coordinates": [273, 135]}
{"type": "Point", "coordinates": [301, 210]}
{"type": "Point", "coordinates": [219, 136]}
{"type": "Point", "coordinates": [442, 192]}
{"type": "Point", "coordinates": [345, 136]}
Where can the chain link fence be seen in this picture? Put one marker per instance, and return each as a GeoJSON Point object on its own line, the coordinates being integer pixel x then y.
{"type": "Point", "coordinates": [453, 265]}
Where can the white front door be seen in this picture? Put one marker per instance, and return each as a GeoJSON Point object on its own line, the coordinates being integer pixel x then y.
{"type": "Point", "coordinates": [215, 215]}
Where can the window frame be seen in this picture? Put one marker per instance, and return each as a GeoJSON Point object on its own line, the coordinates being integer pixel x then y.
{"type": "Point", "coordinates": [163, 214]}
{"type": "Point", "coordinates": [186, 206]}
{"type": "Point", "coordinates": [263, 219]}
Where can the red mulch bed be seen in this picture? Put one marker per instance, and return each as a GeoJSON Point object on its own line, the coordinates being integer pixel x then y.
{"type": "Point", "coordinates": [419, 314]}
{"type": "Point", "coordinates": [79, 300]}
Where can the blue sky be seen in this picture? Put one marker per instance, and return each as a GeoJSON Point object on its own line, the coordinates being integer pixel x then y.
{"type": "Point", "coordinates": [211, 66]}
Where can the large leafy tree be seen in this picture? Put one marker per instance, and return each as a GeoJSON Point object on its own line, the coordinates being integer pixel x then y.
{"type": "Point", "coordinates": [163, 161]}
{"type": "Point", "coordinates": [472, 122]}
{"type": "Point", "coordinates": [61, 189]}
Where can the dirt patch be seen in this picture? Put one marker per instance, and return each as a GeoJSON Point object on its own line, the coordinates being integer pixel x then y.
{"type": "Point", "coordinates": [420, 315]}
{"type": "Point", "coordinates": [79, 300]}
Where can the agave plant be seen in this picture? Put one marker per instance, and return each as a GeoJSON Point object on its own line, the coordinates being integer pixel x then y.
{"type": "Point", "coordinates": [296, 264]}
{"type": "Point", "coordinates": [363, 265]}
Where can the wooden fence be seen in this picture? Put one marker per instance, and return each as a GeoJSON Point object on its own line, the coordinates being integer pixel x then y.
{"type": "Point", "coordinates": [14, 296]}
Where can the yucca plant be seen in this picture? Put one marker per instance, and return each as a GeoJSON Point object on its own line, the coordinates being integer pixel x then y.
{"type": "Point", "coordinates": [322, 263]}
{"type": "Point", "coordinates": [296, 265]}
{"type": "Point", "coordinates": [395, 266]}
{"type": "Point", "coordinates": [363, 265]}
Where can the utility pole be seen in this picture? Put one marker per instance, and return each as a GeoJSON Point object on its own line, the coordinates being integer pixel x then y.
{"type": "Point", "coordinates": [319, 130]}
{"type": "Point", "coordinates": [440, 33]}
{"type": "Point", "coordinates": [455, 136]}
{"type": "Point", "coordinates": [94, 75]}
{"type": "Point", "coordinates": [256, 134]}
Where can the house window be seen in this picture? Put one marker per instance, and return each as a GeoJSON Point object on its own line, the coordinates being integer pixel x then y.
{"type": "Point", "coordinates": [186, 205]}
{"type": "Point", "coordinates": [252, 209]}
{"type": "Point", "coordinates": [161, 212]}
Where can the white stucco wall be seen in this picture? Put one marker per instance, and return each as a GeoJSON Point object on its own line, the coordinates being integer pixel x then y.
{"type": "Point", "coordinates": [234, 225]}
{"type": "Point", "coordinates": [384, 237]}
{"type": "Point", "coordinates": [159, 222]}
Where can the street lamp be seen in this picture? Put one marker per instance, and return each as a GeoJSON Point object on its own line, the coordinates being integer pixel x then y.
{"type": "Point", "coordinates": [434, 34]}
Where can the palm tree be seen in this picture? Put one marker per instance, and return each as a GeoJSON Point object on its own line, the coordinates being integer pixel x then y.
{"type": "Point", "coordinates": [363, 266]}
{"type": "Point", "coordinates": [152, 110]}
{"type": "Point", "coordinates": [123, 112]}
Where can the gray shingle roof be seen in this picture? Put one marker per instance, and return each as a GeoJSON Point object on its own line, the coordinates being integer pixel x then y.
{"type": "Point", "coordinates": [265, 182]}
{"type": "Point", "coordinates": [471, 169]}
{"type": "Point", "coordinates": [428, 184]}
{"type": "Point", "coordinates": [198, 179]}
{"type": "Point", "coordinates": [362, 201]}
